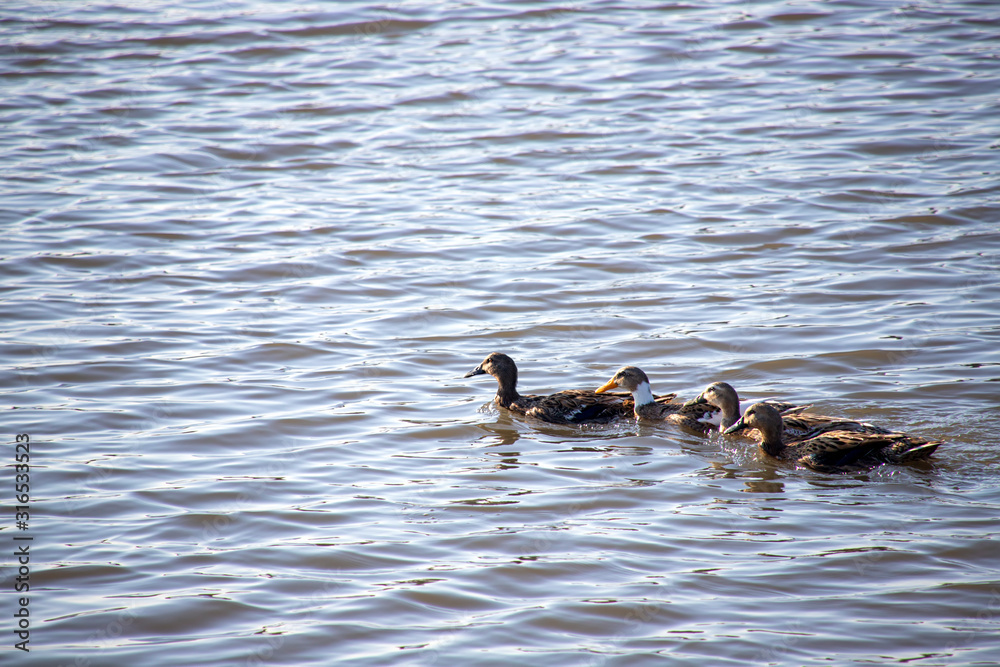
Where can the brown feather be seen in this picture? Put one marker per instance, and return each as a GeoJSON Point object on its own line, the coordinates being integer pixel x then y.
{"type": "Point", "coordinates": [690, 415]}
{"type": "Point", "coordinates": [572, 406]}
{"type": "Point", "coordinates": [834, 450]}
{"type": "Point", "coordinates": [798, 425]}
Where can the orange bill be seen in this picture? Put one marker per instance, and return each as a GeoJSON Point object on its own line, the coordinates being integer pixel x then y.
{"type": "Point", "coordinates": [610, 384]}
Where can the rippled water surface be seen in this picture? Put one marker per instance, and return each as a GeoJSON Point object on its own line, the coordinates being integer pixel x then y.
{"type": "Point", "coordinates": [250, 249]}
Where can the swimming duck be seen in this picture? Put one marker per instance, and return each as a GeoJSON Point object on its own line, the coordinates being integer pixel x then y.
{"type": "Point", "coordinates": [798, 425]}
{"type": "Point", "coordinates": [573, 406]}
{"type": "Point", "coordinates": [833, 451]}
{"type": "Point", "coordinates": [696, 417]}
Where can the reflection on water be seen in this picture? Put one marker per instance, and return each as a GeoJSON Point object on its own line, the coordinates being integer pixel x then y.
{"type": "Point", "coordinates": [250, 249]}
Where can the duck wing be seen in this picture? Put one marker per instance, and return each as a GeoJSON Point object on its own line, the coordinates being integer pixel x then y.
{"type": "Point", "coordinates": [784, 407]}
{"type": "Point", "coordinates": [701, 418]}
{"type": "Point", "coordinates": [579, 406]}
{"type": "Point", "coordinates": [847, 451]}
{"type": "Point", "coordinates": [802, 426]}
{"type": "Point", "coordinates": [573, 406]}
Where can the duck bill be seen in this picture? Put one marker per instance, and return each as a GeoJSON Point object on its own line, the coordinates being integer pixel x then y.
{"type": "Point", "coordinates": [700, 400]}
{"type": "Point", "coordinates": [475, 371]}
{"type": "Point", "coordinates": [737, 427]}
{"type": "Point", "coordinates": [610, 384]}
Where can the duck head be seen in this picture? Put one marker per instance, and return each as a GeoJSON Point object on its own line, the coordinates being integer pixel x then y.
{"type": "Point", "coordinates": [633, 380]}
{"type": "Point", "coordinates": [496, 364]}
{"type": "Point", "coordinates": [628, 378]}
{"type": "Point", "coordinates": [766, 419]}
{"type": "Point", "coordinates": [761, 416]}
{"type": "Point", "coordinates": [502, 367]}
{"type": "Point", "coordinates": [718, 394]}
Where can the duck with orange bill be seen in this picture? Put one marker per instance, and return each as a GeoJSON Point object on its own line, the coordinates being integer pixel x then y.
{"type": "Point", "coordinates": [572, 406]}
{"type": "Point", "coordinates": [701, 418]}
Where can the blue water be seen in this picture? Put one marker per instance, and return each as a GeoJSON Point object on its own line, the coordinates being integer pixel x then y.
{"type": "Point", "coordinates": [250, 250]}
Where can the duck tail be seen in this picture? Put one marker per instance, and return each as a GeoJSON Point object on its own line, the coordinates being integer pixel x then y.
{"type": "Point", "coordinates": [917, 453]}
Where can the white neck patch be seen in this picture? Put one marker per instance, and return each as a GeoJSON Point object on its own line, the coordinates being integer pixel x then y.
{"type": "Point", "coordinates": [643, 395]}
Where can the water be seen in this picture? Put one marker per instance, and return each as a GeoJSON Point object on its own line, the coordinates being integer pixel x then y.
{"type": "Point", "coordinates": [250, 249]}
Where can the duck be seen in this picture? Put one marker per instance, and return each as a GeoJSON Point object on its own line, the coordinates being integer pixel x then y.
{"type": "Point", "coordinates": [832, 451]}
{"type": "Point", "coordinates": [694, 416]}
{"type": "Point", "coordinates": [798, 424]}
{"type": "Point", "coordinates": [572, 406]}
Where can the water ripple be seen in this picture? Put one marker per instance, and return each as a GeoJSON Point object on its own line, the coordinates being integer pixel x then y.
{"type": "Point", "coordinates": [251, 250]}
